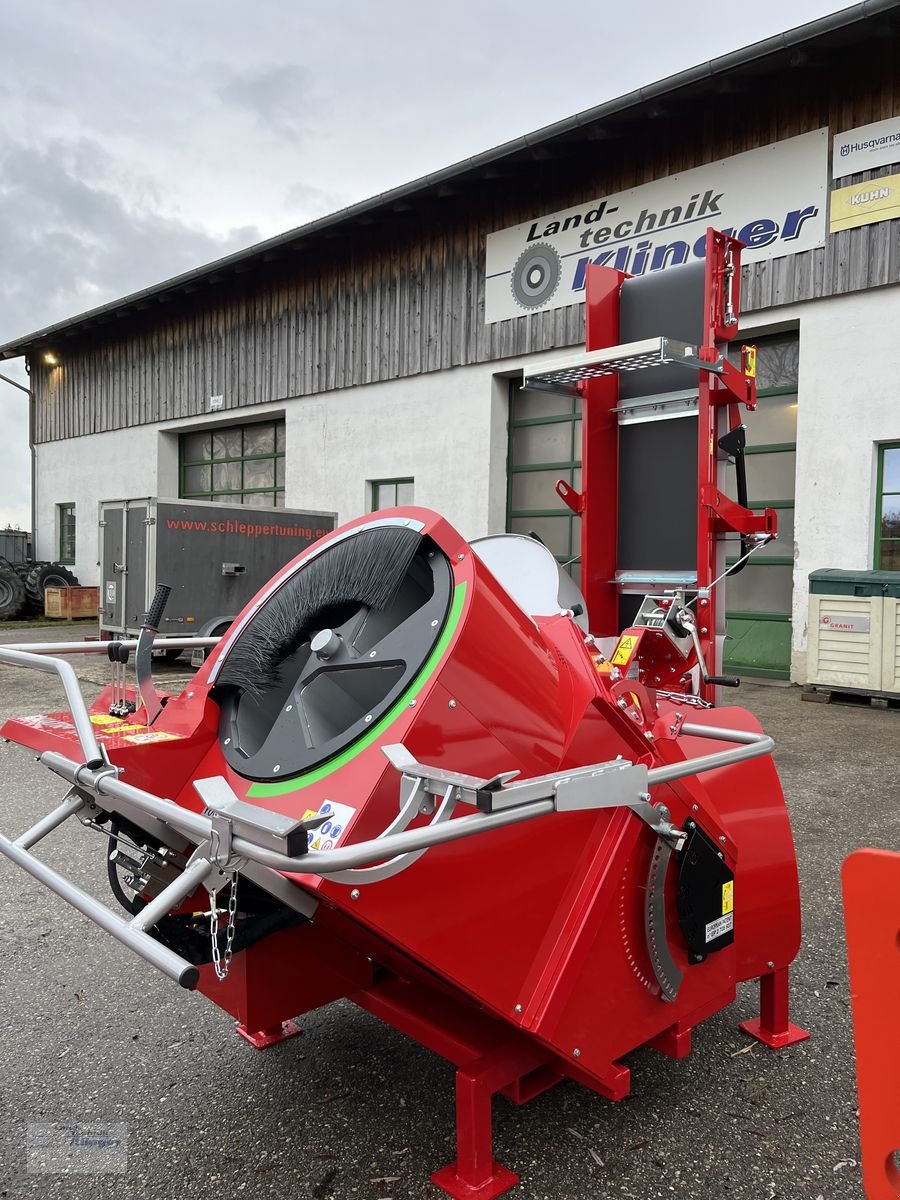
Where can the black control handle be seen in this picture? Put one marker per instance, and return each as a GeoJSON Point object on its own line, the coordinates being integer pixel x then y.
{"type": "Point", "coordinates": [158, 607]}
{"type": "Point", "coordinates": [722, 680]}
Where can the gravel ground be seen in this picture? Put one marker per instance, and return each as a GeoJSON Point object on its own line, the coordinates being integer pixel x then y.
{"type": "Point", "coordinates": [352, 1108]}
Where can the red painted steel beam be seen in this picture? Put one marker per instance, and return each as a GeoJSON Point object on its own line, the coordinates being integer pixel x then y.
{"type": "Point", "coordinates": [600, 457]}
{"type": "Point", "coordinates": [871, 881]}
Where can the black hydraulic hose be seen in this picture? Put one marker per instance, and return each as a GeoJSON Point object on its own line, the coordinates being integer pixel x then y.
{"type": "Point", "coordinates": [740, 470]}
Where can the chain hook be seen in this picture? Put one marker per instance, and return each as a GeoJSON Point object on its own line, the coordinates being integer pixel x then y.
{"type": "Point", "coordinates": [222, 962]}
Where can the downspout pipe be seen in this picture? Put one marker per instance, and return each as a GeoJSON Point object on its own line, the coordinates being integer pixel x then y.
{"type": "Point", "coordinates": [30, 394]}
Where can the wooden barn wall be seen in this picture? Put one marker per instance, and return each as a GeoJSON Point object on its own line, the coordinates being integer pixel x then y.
{"type": "Point", "coordinates": [386, 301]}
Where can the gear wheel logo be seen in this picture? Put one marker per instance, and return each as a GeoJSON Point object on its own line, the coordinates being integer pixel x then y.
{"type": "Point", "coordinates": [535, 277]}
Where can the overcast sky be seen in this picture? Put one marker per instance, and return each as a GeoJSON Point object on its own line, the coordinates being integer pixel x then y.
{"type": "Point", "coordinates": [138, 140]}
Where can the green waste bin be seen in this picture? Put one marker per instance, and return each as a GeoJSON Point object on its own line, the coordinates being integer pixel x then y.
{"type": "Point", "coordinates": [831, 582]}
{"type": "Point", "coordinates": [854, 631]}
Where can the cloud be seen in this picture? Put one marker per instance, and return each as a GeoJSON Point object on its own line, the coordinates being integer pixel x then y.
{"type": "Point", "coordinates": [75, 236]}
{"type": "Point", "coordinates": [311, 202]}
{"type": "Point", "coordinates": [281, 100]}
{"type": "Point", "coordinates": [79, 242]}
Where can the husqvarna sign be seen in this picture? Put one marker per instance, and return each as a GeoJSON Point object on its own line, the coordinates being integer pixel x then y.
{"type": "Point", "coordinates": [773, 199]}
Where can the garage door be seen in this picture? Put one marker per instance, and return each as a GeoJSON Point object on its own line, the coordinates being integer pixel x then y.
{"type": "Point", "coordinates": [759, 598]}
{"type": "Point", "coordinates": [544, 445]}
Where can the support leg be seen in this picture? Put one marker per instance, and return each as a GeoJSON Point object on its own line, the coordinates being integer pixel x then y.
{"type": "Point", "coordinates": [261, 1039]}
{"type": "Point", "coordinates": [674, 1042]}
{"type": "Point", "coordinates": [773, 1026]}
{"type": "Point", "coordinates": [475, 1175]}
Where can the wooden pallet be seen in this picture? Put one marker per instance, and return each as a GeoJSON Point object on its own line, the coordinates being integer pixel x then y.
{"type": "Point", "coordinates": [819, 693]}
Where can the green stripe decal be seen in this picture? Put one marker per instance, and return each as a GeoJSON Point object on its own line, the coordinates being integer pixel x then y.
{"type": "Point", "coordinates": [334, 764]}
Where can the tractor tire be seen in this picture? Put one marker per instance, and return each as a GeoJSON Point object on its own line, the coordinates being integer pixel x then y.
{"type": "Point", "coordinates": [31, 607]}
{"type": "Point", "coordinates": [12, 594]}
{"type": "Point", "coordinates": [45, 575]}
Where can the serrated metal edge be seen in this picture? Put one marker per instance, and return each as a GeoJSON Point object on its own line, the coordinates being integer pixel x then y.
{"type": "Point", "coordinates": [668, 976]}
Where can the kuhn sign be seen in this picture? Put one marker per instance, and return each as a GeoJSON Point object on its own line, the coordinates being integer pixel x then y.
{"type": "Point", "coordinates": [773, 199]}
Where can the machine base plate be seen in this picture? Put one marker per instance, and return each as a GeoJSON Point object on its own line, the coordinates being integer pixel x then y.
{"type": "Point", "coordinates": [500, 1181]}
{"type": "Point", "coordinates": [261, 1039]}
{"type": "Point", "coordinates": [775, 1041]}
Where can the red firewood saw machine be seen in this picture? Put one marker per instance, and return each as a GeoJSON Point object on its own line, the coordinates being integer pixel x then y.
{"type": "Point", "coordinates": [433, 777]}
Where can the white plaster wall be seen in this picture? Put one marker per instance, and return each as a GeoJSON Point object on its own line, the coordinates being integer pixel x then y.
{"type": "Point", "coordinates": [849, 401]}
{"type": "Point", "coordinates": [87, 470]}
{"type": "Point", "coordinates": [441, 429]}
{"type": "Point", "coordinates": [446, 430]}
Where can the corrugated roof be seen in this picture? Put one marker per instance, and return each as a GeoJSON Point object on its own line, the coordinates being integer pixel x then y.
{"type": "Point", "coordinates": [713, 69]}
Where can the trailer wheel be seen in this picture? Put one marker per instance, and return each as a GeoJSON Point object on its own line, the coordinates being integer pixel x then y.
{"type": "Point", "coordinates": [172, 655]}
{"type": "Point", "coordinates": [45, 575]}
{"type": "Point", "coordinates": [12, 594]}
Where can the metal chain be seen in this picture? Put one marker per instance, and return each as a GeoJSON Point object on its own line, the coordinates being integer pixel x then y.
{"type": "Point", "coordinates": [222, 963]}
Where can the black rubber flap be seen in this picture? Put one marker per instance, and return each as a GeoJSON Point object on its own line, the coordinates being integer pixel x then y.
{"type": "Point", "coordinates": [331, 651]}
{"type": "Point", "coordinates": [664, 303]}
{"type": "Point", "coordinates": [705, 895]}
{"type": "Point", "coordinates": [658, 496]}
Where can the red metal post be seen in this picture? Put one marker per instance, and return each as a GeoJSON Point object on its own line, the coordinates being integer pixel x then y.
{"type": "Point", "coordinates": [773, 1025]}
{"type": "Point", "coordinates": [707, 462]}
{"type": "Point", "coordinates": [600, 457]}
{"type": "Point", "coordinates": [872, 911]}
{"type": "Point", "coordinates": [475, 1175]}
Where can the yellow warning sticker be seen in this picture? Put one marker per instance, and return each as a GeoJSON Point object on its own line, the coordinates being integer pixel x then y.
{"type": "Point", "coordinates": [126, 729]}
{"type": "Point", "coordinates": [624, 650]}
{"type": "Point", "coordinates": [727, 898]}
{"type": "Point", "coordinates": [103, 719]}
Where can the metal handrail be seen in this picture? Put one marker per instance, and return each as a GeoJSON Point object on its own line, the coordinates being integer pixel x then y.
{"type": "Point", "coordinates": [197, 827]}
{"type": "Point", "coordinates": [165, 643]}
{"type": "Point", "coordinates": [90, 748]}
{"type": "Point", "coordinates": [96, 777]}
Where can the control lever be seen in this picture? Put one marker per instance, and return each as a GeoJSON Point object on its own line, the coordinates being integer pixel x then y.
{"type": "Point", "coordinates": [118, 655]}
{"type": "Point", "coordinates": [143, 653]}
{"type": "Point", "coordinates": [686, 621]}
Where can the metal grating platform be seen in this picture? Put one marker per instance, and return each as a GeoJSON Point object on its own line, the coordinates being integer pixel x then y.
{"type": "Point", "coordinates": [566, 374]}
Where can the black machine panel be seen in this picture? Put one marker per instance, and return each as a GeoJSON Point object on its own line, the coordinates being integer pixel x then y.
{"type": "Point", "coordinates": [668, 303]}
{"type": "Point", "coordinates": [705, 895]}
{"type": "Point", "coordinates": [658, 495]}
{"type": "Point", "coordinates": [658, 458]}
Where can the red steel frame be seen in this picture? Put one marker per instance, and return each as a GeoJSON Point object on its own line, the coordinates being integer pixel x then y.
{"type": "Point", "coordinates": [598, 502]}
{"type": "Point", "coordinates": [492, 1056]}
{"type": "Point", "coordinates": [871, 881]}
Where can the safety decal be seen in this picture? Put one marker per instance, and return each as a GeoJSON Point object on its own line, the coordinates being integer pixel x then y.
{"type": "Point", "coordinates": [329, 832]}
{"type": "Point", "coordinates": [153, 736]}
{"type": "Point", "coordinates": [728, 897]}
{"type": "Point", "coordinates": [47, 723]}
{"type": "Point", "coordinates": [103, 719]}
{"type": "Point", "coordinates": [715, 929]}
{"type": "Point", "coordinates": [623, 652]}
